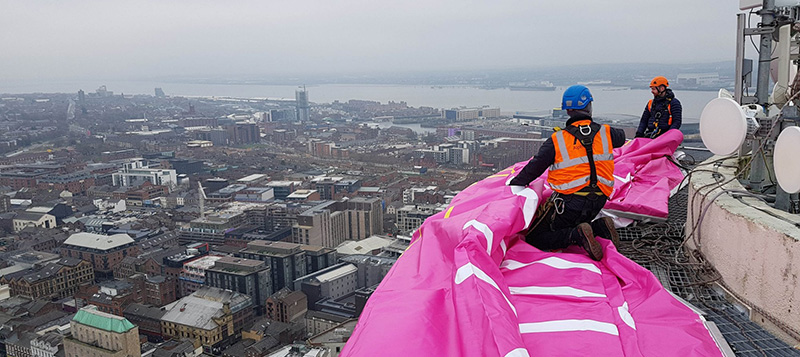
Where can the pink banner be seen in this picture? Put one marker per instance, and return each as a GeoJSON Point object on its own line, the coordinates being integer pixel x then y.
{"type": "Point", "coordinates": [469, 286]}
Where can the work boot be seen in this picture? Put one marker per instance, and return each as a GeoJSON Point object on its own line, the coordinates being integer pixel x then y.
{"type": "Point", "coordinates": [583, 236]}
{"type": "Point", "coordinates": [604, 228]}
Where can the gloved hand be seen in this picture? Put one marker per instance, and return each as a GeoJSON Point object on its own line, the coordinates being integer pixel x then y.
{"type": "Point", "coordinates": [511, 179]}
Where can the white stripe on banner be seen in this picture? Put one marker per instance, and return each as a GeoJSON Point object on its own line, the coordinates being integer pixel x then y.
{"type": "Point", "coordinates": [519, 352]}
{"type": "Point", "coordinates": [553, 290]}
{"type": "Point", "coordinates": [531, 201]}
{"type": "Point", "coordinates": [468, 270]}
{"type": "Point", "coordinates": [625, 315]}
{"type": "Point", "coordinates": [553, 262]}
{"type": "Point", "coordinates": [503, 247]}
{"type": "Point", "coordinates": [487, 233]}
{"type": "Point", "coordinates": [569, 326]}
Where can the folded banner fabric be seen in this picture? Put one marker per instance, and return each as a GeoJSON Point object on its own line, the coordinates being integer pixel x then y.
{"type": "Point", "coordinates": [468, 285]}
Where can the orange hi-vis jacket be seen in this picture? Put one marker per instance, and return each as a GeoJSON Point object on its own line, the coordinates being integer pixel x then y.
{"type": "Point", "coordinates": [571, 170]}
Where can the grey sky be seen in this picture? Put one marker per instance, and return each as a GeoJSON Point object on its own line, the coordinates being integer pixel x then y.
{"type": "Point", "coordinates": [125, 39]}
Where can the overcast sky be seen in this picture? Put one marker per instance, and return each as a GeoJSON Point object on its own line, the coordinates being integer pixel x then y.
{"type": "Point", "coordinates": [42, 40]}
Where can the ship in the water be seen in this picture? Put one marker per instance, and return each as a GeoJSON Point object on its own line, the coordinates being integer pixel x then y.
{"type": "Point", "coordinates": [532, 86]}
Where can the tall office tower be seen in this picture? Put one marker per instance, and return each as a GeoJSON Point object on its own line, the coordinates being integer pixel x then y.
{"type": "Point", "coordinates": [301, 99]}
{"type": "Point", "coordinates": [160, 93]}
{"type": "Point", "coordinates": [81, 97]}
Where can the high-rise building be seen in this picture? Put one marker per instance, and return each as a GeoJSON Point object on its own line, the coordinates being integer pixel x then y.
{"type": "Point", "coordinates": [242, 133]}
{"type": "Point", "coordinates": [301, 99]}
{"type": "Point", "coordinates": [99, 334]}
{"type": "Point", "coordinates": [287, 261]}
{"type": "Point", "coordinates": [247, 276]}
{"type": "Point", "coordinates": [330, 223]}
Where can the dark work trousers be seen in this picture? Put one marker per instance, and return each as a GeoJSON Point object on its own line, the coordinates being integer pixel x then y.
{"type": "Point", "coordinates": [554, 232]}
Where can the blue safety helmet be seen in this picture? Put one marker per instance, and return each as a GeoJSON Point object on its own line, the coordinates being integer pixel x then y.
{"type": "Point", "coordinates": [576, 97]}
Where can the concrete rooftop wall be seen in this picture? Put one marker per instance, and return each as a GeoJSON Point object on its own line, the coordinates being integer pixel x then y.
{"type": "Point", "coordinates": [758, 255]}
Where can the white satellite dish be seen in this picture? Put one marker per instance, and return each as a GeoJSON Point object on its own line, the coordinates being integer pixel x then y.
{"type": "Point", "coordinates": [787, 170]}
{"type": "Point", "coordinates": [723, 126]}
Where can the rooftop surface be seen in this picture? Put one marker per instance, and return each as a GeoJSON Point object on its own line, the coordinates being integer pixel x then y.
{"type": "Point", "coordinates": [98, 241]}
{"type": "Point", "coordinates": [364, 246]}
{"type": "Point", "coordinates": [337, 273]}
{"type": "Point", "coordinates": [90, 316]}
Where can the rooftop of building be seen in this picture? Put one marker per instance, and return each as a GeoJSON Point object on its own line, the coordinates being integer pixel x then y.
{"type": "Point", "coordinates": [338, 333]}
{"type": "Point", "coordinates": [312, 314]}
{"type": "Point", "coordinates": [33, 257]}
{"type": "Point", "coordinates": [288, 296]}
{"type": "Point", "coordinates": [298, 351]}
{"type": "Point", "coordinates": [232, 264]}
{"type": "Point", "coordinates": [174, 348]}
{"type": "Point", "coordinates": [301, 194]}
{"type": "Point", "coordinates": [364, 246]}
{"type": "Point", "coordinates": [31, 216]}
{"type": "Point", "coordinates": [203, 263]}
{"type": "Point", "coordinates": [98, 241]}
{"type": "Point", "coordinates": [368, 259]}
{"type": "Point", "coordinates": [336, 273]}
{"type": "Point", "coordinates": [282, 183]}
{"type": "Point", "coordinates": [252, 178]}
{"type": "Point", "coordinates": [50, 270]}
{"type": "Point", "coordinates": [370, 189]}
{"type": "Point", "coordinates": [50, 338]}
{"type": "Point", "coordinates": [194, 312]}
{"type": "Point", "coordinates": [147, 311]}
{"type": "Point", "coordinates": [90, 316]}
{"type": "Point", "coordinates": [199, 309]}
{"type": "Point", "coordinates": [266, 327]}
{"type": "Point", "coordinates": [315, 249]}
{"type": "Point", "coordinates": [272, 247]}
{"type": "Point", "coordinates": [328, 179]}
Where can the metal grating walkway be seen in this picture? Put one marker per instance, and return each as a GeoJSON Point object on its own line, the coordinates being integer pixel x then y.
{"type": "Point", "coordinates": [658, 247]}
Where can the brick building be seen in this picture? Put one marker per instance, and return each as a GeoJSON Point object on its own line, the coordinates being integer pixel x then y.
{"type": "Point", "coordinates": [104, 252]}
{"type": "Point", "coordinates": [55, 280]}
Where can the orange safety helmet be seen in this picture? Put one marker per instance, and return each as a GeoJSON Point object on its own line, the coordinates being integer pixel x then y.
{"type": "Point", "coordinates": [659, 81]}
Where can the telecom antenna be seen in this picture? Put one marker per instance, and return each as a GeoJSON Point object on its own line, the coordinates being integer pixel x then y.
{"type": "Point", "coordinates": [766, 114]}
{"type": "Point", "coordinates": [723, 126]}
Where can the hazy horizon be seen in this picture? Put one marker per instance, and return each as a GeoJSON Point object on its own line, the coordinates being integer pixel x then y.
{"type": "Point", "coordinates": [205, 39]}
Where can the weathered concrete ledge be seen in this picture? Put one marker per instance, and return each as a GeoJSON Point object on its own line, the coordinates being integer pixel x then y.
{"type": "Point", "coordinates": [757, 254]}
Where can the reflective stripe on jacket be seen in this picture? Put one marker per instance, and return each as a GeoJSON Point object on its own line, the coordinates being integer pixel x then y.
{"type": "Point", "coordinates": [571, 170]}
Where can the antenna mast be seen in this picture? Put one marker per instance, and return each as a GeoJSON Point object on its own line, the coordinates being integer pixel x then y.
{"type": "Point", "coordinates": [775, 26]}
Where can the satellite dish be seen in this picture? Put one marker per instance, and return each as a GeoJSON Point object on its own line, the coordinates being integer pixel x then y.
{"type": "Point", "coordinates": [724, 93]}
{"type": "Point", "coordinates": [785, 159]}
{"type": "Point", "coordinates": [723, 126]}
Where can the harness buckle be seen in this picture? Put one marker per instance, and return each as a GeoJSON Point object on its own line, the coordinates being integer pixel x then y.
{"type": "Point", "coordinates": [589, 128]}
{"type": "Point", "coordinates": [558, 204]}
